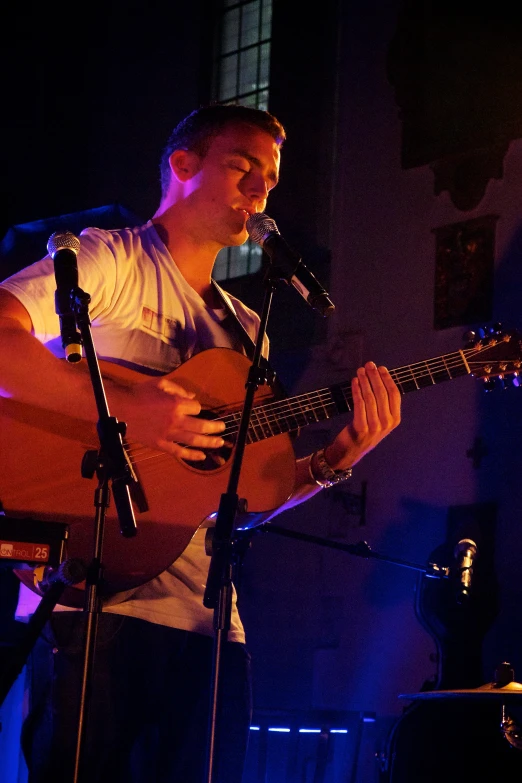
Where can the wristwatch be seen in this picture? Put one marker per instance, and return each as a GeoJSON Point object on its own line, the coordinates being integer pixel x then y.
{"type": "Point", "coordinates": [328, 477]}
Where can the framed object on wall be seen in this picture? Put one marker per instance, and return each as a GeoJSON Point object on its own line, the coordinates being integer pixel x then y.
{"type": "Point", "coordinates": [464, 272]}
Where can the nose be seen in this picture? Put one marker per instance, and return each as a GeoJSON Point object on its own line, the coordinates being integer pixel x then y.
{"type": "Point", "coordinates": [257, 185]}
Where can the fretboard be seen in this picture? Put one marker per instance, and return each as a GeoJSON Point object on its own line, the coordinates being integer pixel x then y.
{"type": "Point", "coordinates": [291, 414]}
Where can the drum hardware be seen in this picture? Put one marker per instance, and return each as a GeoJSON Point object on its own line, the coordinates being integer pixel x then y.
{"type": "Point", "coordinates": [503, 689]}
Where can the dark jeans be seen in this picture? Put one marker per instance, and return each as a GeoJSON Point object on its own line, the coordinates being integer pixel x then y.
{"type": "Point", "coordinates": [149, 705]}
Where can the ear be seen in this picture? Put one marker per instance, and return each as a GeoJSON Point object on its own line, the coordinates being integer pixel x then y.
{"type": "Point", "coordinates": [184, 164]}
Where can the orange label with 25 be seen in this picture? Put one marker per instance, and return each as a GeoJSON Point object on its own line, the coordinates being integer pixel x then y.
{"type": "Point", "coordinates": [23, 550]}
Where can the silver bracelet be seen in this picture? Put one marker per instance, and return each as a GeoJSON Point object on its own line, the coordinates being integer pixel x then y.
{"type": "Point", "coordinates": [329, 477]}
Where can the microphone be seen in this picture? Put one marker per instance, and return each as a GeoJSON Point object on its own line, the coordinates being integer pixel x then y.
{"type": "Point", "coordinates": [263, 230]}
{"type": "Point", "coordinates": [63, 247]}
{"type": "Point", "coordinates": [465, 554]}
{"type": "Point", "coordinates": [69, 572]}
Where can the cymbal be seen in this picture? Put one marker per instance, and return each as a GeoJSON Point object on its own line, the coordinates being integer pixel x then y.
{"type": "Point", "coordinates": [491, 690]}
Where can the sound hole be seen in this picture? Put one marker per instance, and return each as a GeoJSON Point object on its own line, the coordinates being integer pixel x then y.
{"type": "Point", "coordinates": [215, 458]}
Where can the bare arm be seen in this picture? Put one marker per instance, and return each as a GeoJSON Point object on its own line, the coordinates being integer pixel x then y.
{"type": "Point", "coordinates": [31, 373]}
{"type": "Point", "coordinates": [157, 412]}
{"type": "Point", "coordinates": [377, 411]}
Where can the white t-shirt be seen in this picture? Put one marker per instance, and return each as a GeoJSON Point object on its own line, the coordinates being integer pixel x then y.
{"type": "Point", "coordinates": [145, 315]}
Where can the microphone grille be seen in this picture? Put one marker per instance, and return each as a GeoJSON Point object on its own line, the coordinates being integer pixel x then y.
{"type": "Point", "coordinates": [463, 544]}
{"type": "Point", "coordinates": [63, 240]}
{"type": "Point", "coordinates": [259, 225]}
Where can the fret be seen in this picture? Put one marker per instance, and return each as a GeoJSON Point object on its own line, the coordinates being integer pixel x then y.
{"type": "Point", "coordinates": [255, 428]}
{"type": "Point", "coordinates": [339, 397]}
{"type": "Point", "coordinates": [266, 426]}
{"type": "Point", "coordinates": [346, 391]}
{"type": "Point", "coordinates": [323, 410]}
{"type": "Point", "coordinates": [291, 422]}
{"type": "Point", "coordinates": [274, 417]}
{"type": "Point", "coordinates": [429, 379]}
{"type": "Point", "coordinates": [425, 379]}
{"type": "Point", "coordinates": [460, 365]}
{"type": "Point", "coordinates": [300, 413]}
{"type": "Point", "coordinates": [232, 426]}
{"type": "Point", "coordinates": [306, 409]}
{"type": "Point", "coordinates": [446, 366]}
{"type": "Point", "coordinates": [407, 382]}
{"type": "Point", "coordinates": [414, 379]}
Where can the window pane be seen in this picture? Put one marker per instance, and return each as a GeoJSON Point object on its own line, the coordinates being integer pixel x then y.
{"type": "Point", "coordinates": [237, 261]}
{"type": "Point", "coordinates": [250, 100]}
{"type": "Point", "coordinates": [266, 19]}
{"type": "Point", "coordinates": [256, 256]}
{"type": "Point", "coordinates": [228, 77]}
{"type": "Point", "coordinates": [220, 271]}
{"type": "Point", "coordinates": [250, 24]}
{"type": "Point", "coordinates": [262, 100]}
{"type": "Point", "coordinates": [264, 66]}
{"type": "Point", "coordinates": [248, 70]}
{"type": "Point", "coordinates": [230, 31]}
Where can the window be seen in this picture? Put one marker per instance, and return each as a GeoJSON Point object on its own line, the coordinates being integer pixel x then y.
{"type": "Point", "coordinates": [241, 75]}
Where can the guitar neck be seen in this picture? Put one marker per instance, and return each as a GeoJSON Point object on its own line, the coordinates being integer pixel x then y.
{"type": "Point", "coordinates": [293, 413]}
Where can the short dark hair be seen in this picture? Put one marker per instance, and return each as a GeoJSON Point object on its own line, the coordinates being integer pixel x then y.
{"type": "Point", "coordinates": [201, 126]}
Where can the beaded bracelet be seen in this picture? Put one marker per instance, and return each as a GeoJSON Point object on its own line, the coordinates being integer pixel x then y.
{"type": "Point", "coordinates": [329, 476]}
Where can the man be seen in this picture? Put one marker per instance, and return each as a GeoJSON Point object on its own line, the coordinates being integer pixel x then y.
{"type": "Point", "coordinates": [153, 306]}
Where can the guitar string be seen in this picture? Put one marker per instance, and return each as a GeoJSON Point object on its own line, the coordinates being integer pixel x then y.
{"type": "Point", "coordinates": [323, 397]}
{"type": "Point", "coordinates": [279, 406]}
{"type": "Point", "coordinates": [283, 405]}
{"type": "Point", "coordinates": [317, 396]}
{"type": "Point", "coordinates": [408, 375]}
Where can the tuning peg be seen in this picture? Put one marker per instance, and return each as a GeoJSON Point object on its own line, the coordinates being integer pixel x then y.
{"type": "Point", "coordinates": [469, 337]}
{"type": "Point", "coordinates": [489, 384]}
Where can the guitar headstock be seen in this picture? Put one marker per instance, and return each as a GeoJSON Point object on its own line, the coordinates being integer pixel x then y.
{"type": "Point", "coordinates": [495, 356]}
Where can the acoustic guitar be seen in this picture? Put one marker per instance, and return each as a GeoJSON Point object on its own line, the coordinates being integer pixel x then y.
{"type": "Point", "coordinates": [42, 453]}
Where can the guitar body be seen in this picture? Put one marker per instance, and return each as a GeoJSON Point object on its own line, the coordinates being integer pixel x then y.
{"type": "Point", "coordinates": [40, 476]}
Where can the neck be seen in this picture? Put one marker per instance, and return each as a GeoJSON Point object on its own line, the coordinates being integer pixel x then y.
{"type": "Point", "coordinates": [194, 259]}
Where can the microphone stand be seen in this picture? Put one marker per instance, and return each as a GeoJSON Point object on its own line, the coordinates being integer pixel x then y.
{"type": "Point", "coordinates": [109, 463]}
{"type": "Point", "coordinates": [361, 549]}
{"type": "Point", "coordinates": [223, 545]}
{"type": "Point", "coordinates": [69, 572]}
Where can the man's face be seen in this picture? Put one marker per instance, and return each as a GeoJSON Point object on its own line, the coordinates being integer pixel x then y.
{"type": "Point", "coordinates": [233, 181]}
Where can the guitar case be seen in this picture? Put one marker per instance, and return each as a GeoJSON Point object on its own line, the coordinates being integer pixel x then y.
{"type": "Point", "coordinates": [455, 739]}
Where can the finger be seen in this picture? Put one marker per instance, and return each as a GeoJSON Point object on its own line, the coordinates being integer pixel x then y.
{"type": "Point", "coordinates": [386, 394]}
{"type": "Point", "coordinates": [366, 386]}
{"type": "Point", "coordinates": [169, 387]}
{"type": "Point", "coordinates": [193, 423]}
{"type": "Point", "coordinates": [376, 381]}
{"type": "Point", "coordinates": [359, 421]}
{"type": "Point", "coordinates": [394, 393]}
{"type": "Point", "coordinates": [181, 451]}
{"type": "Point", "coordinates": [368, 376]}
{"type": "Point", "coordinates": [379, 416]}
{"type": "Point", "coordinates": [193, 439]}
{"type": "Point", "coordinates": [186, 407]}
{"type": "Point", "coordinates": [375, 396]}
